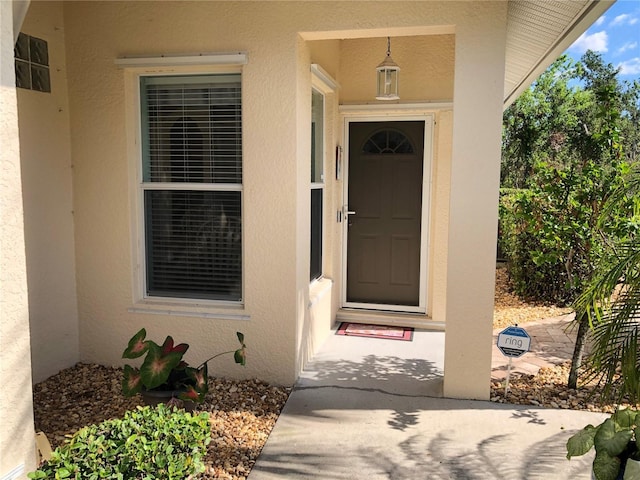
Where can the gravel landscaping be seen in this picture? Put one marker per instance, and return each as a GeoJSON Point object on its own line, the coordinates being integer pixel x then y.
{"type": "Point", "coordinates": [549, 387]}
{"type": "Point", "coordinates": [243, 413]}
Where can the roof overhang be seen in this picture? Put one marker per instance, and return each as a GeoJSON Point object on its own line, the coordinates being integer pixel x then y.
{"type": "Point", "coordinates": [538, 32]}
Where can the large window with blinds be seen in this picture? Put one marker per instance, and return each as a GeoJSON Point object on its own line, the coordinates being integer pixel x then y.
{"type": "Point", "coordinates": [192, 186]}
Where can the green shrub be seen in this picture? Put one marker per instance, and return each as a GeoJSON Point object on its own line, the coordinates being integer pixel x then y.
{"type": "Point", "coordinates": [531, 239]}
{"type": "Point", "coordinates": [550, 233]}
{"type": "Point", "coordinates": [148, 443]}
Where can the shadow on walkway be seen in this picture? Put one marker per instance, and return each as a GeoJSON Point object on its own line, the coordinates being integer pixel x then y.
{"type": "Point", "coordinates": [371, 409]}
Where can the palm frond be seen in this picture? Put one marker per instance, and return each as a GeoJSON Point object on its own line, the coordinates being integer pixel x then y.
{"type": "Point", "coordinates": [612, 302]}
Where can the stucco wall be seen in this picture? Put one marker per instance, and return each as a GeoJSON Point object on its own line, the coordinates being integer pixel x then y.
{"type": "Point", "coordinates": [276, 80]}
{"type": "Point", "coordinates": [97, 34]}
{"type": "Point", "coordinates": [45, 152]}
{"type": "Point", "coordinates": [17, 441]}
{"type": "Point", "coordinates": [426, 67]}
{"type": "Point", "coordinates": [324, 293]}
{"type": "Point", "coordinates": [440, 219]}
{"type": "Point", "coordinates": [325, 297]}
{"type": "Point", "coordinates": [473, 208]}
{"type": "Point", "coordinates": [303, 202]}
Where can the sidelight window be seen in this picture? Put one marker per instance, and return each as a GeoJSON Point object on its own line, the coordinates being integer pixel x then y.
{"type": "Point", "coordinates": [317, 182]}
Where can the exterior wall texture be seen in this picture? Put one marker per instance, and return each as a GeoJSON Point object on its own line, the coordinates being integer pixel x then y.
{"type": "Point", "coordinates": [17, 441]}
{"type": "Point", "coordinates": [324, 294]}
{"type": "Point", "coordinates": [473, 212]}
{"type": "Point", "coordinates": [97, 34]}
{"type": "Point", "coordinates": [276, 160]}
{"type": "Point", "coordinates": [45, 153]}
{"type": "Point", "coordinates": [281, 39]}
{"type": "Point", "coordinates": [79, 164]}
{"type": "Point", "coordinates": [440, 221]}
{"type": "Point", "coordinates": [426, 68]}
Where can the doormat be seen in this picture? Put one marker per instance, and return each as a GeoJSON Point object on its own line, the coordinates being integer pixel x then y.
{"type": "Point", "coordinates": [375, 331]}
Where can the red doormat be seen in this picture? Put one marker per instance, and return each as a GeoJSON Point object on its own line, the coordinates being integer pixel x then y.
{"type": "Point", "coordinates": [375, 331]}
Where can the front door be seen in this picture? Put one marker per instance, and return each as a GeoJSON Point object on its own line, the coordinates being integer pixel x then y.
{"type": "Point", "coordinates": [384, 220]}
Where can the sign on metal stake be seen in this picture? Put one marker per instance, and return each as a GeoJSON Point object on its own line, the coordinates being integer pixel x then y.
{"type": "Point", "coordinates": [513, 342]}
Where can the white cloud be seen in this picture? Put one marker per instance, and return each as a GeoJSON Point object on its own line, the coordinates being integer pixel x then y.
{"type": "Point", "coordinates": [600, 21]}
{"type": "Point", "coordinates": [627, 46]}
{"type": "Point", "coordinates": [624, 19]}
{"type": "Point", "coordinates": [630, 67]}
{"type": "Point", "coordinates": [596, 41]}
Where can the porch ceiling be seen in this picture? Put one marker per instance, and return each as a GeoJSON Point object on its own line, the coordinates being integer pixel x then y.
{"type": "Point", "coordinates": [538, 31]}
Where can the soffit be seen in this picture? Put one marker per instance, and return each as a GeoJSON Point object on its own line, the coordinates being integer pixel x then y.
{"type": "Point", "coordinates": [538, 31]}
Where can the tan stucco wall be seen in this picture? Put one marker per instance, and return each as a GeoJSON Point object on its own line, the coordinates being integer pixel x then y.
{"type": "Point", "coordinates": [17, 441]}
{"type": "Point", "coordinates": [97, 34]}
{"type": "Point", "coordinates": [45, 152]}
{"type": "Point", "coordinates": [327, 54]}
{"type": "Point", "coordinates": [473, 209]}
{"type": "Point", "coordinates": [426, 67]}
{"type": "Point", "coordinates": [440, 218]}
{"type": "Point", "coordinates": [280, 39]}
{"type": "Point", "coordinates": [324, 294]}
{"type": "Point", "coordinates": [303, 202]}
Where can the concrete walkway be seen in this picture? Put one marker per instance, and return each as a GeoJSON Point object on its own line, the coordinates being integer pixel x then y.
{"type": "Point", "coordinates": [372, 409]}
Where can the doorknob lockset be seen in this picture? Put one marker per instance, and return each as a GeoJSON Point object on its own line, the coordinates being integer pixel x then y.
{"type": "Point", "coordinates": [347, 212]}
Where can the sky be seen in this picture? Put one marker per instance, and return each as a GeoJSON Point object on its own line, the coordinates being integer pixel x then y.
{"type": "Point", "coordinates": [616, 36]}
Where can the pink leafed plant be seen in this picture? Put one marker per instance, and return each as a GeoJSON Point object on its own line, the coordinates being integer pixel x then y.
{"type": "Point", "coordinates": [164, 369]}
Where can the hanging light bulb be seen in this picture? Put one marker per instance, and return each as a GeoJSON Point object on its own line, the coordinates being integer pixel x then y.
{"type": "Point", "coordinates": [387, 74]}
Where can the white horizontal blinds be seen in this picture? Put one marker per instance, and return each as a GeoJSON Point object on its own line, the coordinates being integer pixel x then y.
{"type": "Point", "coordinates": [193, 244]}
{"type": "Point", "coordinates": [194, 129]}
{"type": "Point", "coordinates": [192, 172]}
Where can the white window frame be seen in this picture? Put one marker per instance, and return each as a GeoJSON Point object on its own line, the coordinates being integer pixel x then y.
{"type": "Point", "coordinates": [142, 301]}
{"type": "Point", "coordinates": [395, 113]}
{"type": "Point", "coordinates": [324, 84]}
{"type": "Point", "coordinates": [321, 185]}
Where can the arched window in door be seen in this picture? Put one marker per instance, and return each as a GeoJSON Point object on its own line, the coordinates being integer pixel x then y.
{"type": "Point", "coordinates": [387, 142]}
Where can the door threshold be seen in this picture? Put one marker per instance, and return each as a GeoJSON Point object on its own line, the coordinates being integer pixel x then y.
{"type": "Point", "coordinates": [396, 319]}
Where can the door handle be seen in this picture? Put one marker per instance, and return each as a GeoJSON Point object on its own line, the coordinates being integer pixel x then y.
{"type": "Point", "coordinates": [347, 212]}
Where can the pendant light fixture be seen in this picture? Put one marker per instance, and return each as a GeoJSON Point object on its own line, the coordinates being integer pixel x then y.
{"type": "Point", "coordinates": [388, 73]}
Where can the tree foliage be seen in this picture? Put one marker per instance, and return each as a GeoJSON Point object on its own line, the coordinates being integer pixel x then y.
{"type": "Point", "coordinates": [611, 302]}
{"type": "Point", "coordinates": [568, 144]}
{"type": "Point", "coordinates": [567, 141]}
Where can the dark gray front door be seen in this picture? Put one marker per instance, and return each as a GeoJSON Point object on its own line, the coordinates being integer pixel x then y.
{"type": "Point", "coordinates": [385, 192]}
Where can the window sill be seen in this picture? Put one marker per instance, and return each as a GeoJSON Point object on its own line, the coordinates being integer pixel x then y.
{"type": "Point", "coordinates": [226, 312]}
{"type": "Point", "coordinates": [318, 289]}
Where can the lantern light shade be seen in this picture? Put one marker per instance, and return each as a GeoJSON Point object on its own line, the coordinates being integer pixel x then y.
{"type": "Point", "coordinates": [387, 74]}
